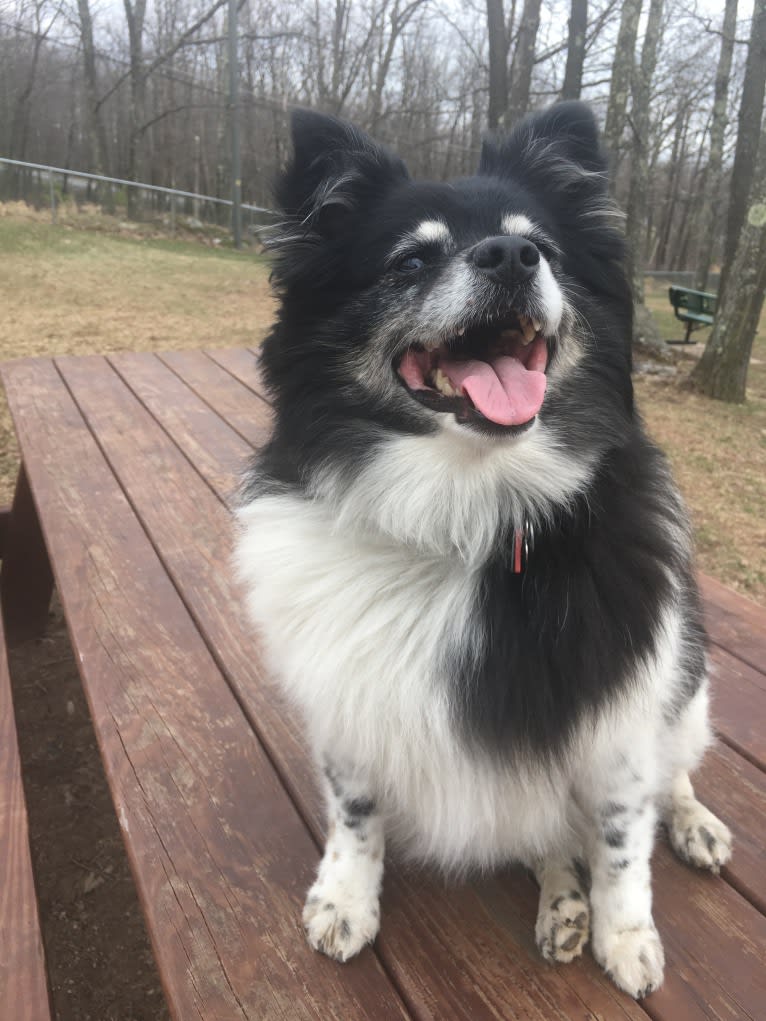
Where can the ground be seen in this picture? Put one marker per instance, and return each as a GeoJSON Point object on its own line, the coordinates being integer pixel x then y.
{"type": "Point", "coordinates": [69, 290]}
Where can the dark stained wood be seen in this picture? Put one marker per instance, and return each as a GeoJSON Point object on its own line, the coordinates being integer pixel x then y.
{"type": "Point", "coordinates": [735, 623]}
{"type": "Point", "coordinates": [739, 705]}
{"type": "Point", "coordinates": [23, 985]}
{"type": "Point", "coordinates": [735, 790]}
{"type": "Point", "coordinates": [504, 975]}
{"type": "Point", "coordinates": [199, 371]}
{"type": "Point", "coordinates": [178, 409]}
{"type": "Point", "coordinates": [5, 517]}
{"type": "Point", "coordinates": [242, 364]}
{"type": "Point", "coordinates": [173, 431]}
{"type": "Point", "coordinates": [434, 941]}
{"type": "Point", "coordinates": [715, 945]}
{"type": "Point", "coordinates": [26, 580]}
{"type": "Point", "coordinates": [220, 856]}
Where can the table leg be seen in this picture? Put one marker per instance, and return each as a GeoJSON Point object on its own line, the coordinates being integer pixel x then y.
{"type": "Point", "coordinates": [26, 580]}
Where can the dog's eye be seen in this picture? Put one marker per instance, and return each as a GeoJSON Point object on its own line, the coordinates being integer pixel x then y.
{"type": "Point", "coordinates": [409, 264]}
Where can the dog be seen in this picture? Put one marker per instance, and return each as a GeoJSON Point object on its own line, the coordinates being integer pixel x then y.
{"type": "Point", "coordinates": [470, 569]}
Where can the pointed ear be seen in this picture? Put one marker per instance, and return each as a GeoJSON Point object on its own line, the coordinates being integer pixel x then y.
{"type": "Point", "coordinates": [334, 169]}
{"type": "Point", "coordinates": [559, 149]}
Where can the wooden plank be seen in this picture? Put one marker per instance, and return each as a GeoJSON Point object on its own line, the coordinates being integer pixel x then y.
{"type": "Point", "coordinates": [739, 705]}
{"type": "Point", "coordinates": [242, 364]}
{"type": "Point", "coordinates": [219, 853]}
{"type": "Point", "coordinates": [171, 401]}
{"type": "Point", "coordinates": [736, 791]}
{"type": "Point", "coordinates": [741, 711]}
{"type": "Point", "coordinates": [429, 934]}
{"type": "Point", "coordinates": [715, 945]}
{"type": "Point", "coordinates": [26, 580]}
{"type": "Point", "coordinates": [506, 978]}
{"type": "Point", "coordinates": [419, 912]}
{"type": "Point", "coordinates": [23, 980]}
{"type": "Point", "coordinates": [201, 373]}
{"type": "Point", "coordinates": [735, 623]}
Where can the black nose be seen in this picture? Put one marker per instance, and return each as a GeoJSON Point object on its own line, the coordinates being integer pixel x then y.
{"type": "Point", "coordinates": [508, 260]}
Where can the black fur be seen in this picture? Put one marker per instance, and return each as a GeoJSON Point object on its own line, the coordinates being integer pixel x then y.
{"type": "Point", "coordinates": [601, 568]}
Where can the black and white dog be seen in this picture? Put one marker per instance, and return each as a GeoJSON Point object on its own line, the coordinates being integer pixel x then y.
{"type": "Point", "coordinates": [470, 568]}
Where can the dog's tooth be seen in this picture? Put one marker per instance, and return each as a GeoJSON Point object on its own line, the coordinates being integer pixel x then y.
{"type": "Point", "coordinates": [529, 333]}
{"type": "Point", "coordinates": [461, 331]}
{"type": "Point", "coordinates": [537, 325]}
{"type": "Point", "coordinates": [443, 384]}
{"type": "Point", "coordinates": [510, 334]}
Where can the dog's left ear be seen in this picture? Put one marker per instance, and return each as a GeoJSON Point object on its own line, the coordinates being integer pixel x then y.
{"type": "Point", "coordinates": [559, 149]}
{"type": "Point", "coordinates": [335, 168]}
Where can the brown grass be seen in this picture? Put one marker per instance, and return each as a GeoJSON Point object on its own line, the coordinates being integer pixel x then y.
{"type": "Point", "coordinates": [72, 291]}
{"type": "Point", "coordinates": [69, 291]}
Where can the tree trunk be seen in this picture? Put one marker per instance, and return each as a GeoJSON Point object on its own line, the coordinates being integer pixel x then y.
{"type": "Point", "coordinates": [748, 134]}
{"type": "Point", "coordinates": [578, 24]}
{"type": "Point", "coordinates": [639, 166]}
{"type": "Point", "coordinates": [97, 131]}
{"type": "Point", "coordinates": [498, 63]}
{"type": "Point", "coordinates": [714, 173]}
{"type": "Point", "coordinates": [134, 14]}
{"type": "Point", "coordinates": [722, 370]}
{"type": "Point", "coordinates": [523, 62]}
{"type": "Point", "coordinates": [619, 89]}
{"type": "Point", "coordinates": [677, 159]}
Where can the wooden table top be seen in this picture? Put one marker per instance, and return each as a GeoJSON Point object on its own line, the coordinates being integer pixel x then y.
{"type": "Point", "coordinates": [132, 460]}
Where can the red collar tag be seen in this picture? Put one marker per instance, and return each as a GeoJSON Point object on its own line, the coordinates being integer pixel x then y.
{"type": "Point", "coordinates": [523, 539]}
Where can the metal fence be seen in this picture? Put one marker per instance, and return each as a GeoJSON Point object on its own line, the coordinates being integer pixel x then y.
{"type": "Point", "coordinates": [60, 189]}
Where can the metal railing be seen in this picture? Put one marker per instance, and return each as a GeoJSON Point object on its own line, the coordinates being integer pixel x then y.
{"type": "Point", "coordinates": [170, 196]}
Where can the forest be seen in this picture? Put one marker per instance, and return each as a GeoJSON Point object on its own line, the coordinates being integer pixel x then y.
{"type": "Point", "coordinates": [142, 89]}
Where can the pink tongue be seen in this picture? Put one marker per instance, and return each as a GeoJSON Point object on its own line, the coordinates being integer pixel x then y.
{"type": "Point", "coordinates": [503, 390]}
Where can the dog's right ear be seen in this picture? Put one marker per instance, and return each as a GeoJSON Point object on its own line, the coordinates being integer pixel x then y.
{"type": "Point", "coordinates": [334, 170]}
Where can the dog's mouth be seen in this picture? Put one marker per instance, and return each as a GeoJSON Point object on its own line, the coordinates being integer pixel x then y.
{"type": "Point", "coordinates": [491, 376]}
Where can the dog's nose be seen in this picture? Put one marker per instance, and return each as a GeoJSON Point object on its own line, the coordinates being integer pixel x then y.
{"type": "Point", "coordinates": [508, 260]}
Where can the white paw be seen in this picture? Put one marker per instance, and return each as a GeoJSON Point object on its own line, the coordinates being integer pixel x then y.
{"type": "Point", "coordinates": [633, 959]}
{"type": "Point", "coordinates": [699, 837]}
{"type": "Point", "coordinates": [563, 927]}
{"type": "Point", "coordinates": [337, 923]}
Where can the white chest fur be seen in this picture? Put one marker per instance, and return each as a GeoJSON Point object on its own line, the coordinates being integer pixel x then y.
{"type": "Point", "coordinates": [354, 630]}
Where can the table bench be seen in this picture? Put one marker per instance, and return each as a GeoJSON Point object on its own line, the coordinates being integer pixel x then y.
{"type": "Point", "coordinates": [129, 463]}
{"type": "Point", "coordinates": [694, 308]}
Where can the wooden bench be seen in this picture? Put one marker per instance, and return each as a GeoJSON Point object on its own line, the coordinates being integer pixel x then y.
{"type": "Point", "coordinates": [131, 461]}
{"type": "Point", "coordinates": [23, 983]}
{"type": "Point", "coordinates": [694, 308]}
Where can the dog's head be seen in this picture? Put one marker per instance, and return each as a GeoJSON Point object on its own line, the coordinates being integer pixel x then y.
{"type": "Point", "coordinates": [488, 308]}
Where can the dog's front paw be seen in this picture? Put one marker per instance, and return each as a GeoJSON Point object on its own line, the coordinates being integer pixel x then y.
{"type": "Point", "coordinates": [633, 959]}
{"type": "Point", "coordinates": [563, 927]}
{"type": "Point", "coordinates": [339, 924]}
{"type": "Point", "coordinates": [699, 837]}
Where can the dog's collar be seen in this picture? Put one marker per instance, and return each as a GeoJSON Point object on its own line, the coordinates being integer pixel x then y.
{"type": "Point", "coordinates": [523, 544]}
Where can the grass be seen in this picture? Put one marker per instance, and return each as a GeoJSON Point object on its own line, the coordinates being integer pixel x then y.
{"type": "Point", "coordinates": [70, 291]}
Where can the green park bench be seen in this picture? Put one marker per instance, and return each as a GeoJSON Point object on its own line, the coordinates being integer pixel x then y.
{"type": "Point", "coordinates": [695, 308]}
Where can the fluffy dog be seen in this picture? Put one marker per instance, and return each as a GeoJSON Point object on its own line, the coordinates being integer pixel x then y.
{"type": "Point", "coordinates": [470, 568]}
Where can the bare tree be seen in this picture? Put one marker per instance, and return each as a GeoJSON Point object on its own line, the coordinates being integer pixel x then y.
{"type": "Point", "coordinates": [722, 370]}
{"type": "Point", "coordinates": [622, 74]}
{"type": "Point", "coordinates": [748, 133]}
{"type": "Point", "coordinates": [44, 20]}
{"type": "Point", "coordinates": [714, 170]}
{"type": "Point", "coordinates": [578, 27]}
{"type": "Point", "coordinates": [99, 148]}
{"type": "Point", "coordinates": [498, 63]}
{"type": "Point", "coordinates": [639, 150]}
{"type": "Point", "coordinates": [523, 61]}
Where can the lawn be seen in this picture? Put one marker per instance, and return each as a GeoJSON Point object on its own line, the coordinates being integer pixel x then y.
{"type": "Point", "coordinates": [72, 291]}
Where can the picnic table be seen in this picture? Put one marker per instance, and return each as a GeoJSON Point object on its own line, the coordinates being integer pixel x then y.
{"type": "Point", "coordinates": [129, 465]}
